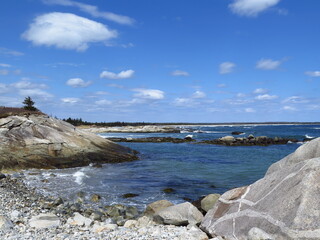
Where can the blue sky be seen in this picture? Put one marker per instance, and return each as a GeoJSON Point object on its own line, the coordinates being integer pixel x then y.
{"type": "Point", "coordinates": [163, 60]}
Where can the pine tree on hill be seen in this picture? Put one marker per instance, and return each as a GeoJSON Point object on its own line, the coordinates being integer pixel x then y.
{"type": "Point", "coordinates": [28, 104]}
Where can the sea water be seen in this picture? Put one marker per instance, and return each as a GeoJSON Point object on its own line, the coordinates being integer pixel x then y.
{"type": "Point", "coordinates": [190, 170]}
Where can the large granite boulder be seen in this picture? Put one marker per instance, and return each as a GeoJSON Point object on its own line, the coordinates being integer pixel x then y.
{"type": "Point", "coordinates": [39, 141]}
{"type": "Point", "coordinates": [179, 215]}
{"type": "Point", "coordinates": [283, 205]}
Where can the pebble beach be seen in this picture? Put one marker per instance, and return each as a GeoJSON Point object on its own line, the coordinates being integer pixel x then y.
{"type": "Point", "coordinates": [27, 215]}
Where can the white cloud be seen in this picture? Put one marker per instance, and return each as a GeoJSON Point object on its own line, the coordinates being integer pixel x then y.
{"type": "Point", "coordinates": [153, 94]}
{"type": "Point", "coordinates": [295, 99]}
{"type": "Point", "coordinates": [226, 67]}
{"type": "Point", "coordinates": [241, 95]}
{"type": "Point", "coordinates": [5, 65]}
{"type": "Point", "coordinates": [35, 93]}
{"type": "Point", "coordinates": [4, 72]}
{"type": "Point", "coordinates": [289, 108]}
{"type": "Point", "coordinates": [249, 110]}
{"type": "Point", "coordinates": [260, 91]}
{"type": "Point", "coordinates": [121, 75]}
{"type": "Point", "coordinates": [198, 94]}
{"type": "Point", "coordinates": [266, 97]}
{"type": "Point", "coordinates": [6, 51]}
{"type": "Point", "coordinates": [183, 102]}
{"type": "Point", "coordinates": [103, 102]}
{"type": "Point", "coordinates": [77, 82]}
{"type": "Point", "coordinates": [313, 73]}
{"type": "Point", "coordinates": [67, 31]}
{"type": "Point", "coordinates": [251, 8]}
{"type": "Point", "coordinates": [28, 85]}
{"type": "Point", "coordinates": [180, 73]}
{"type": "Point", "coordinates": [93, 11]}
{"type": "Point", "coordinates": [268, 64]}
{"type": "Point", "coordinates": [70, 100]}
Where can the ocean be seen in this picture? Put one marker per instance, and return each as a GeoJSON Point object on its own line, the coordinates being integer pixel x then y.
{"type": "Point", "coordinates": [188, 170]}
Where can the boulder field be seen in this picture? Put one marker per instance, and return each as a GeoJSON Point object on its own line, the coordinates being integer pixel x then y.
{"type": "Point", "coordinates": [282, 205]}
{"type": "Point", "coordinates": [39, 141]}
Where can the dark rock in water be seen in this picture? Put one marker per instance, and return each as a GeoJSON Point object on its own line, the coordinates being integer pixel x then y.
{"type": "Point", "coordinates": [39, 141]}
{"type": "Point", "coordinates": [130, 195]}
{"type": "Point", "coordinates": [95, 198]}
{"type": "Point", "coordinates": [168, 190]}
{"type": "Point", "coordinates": [152, 139]}
{"type": "Point", "coordinates": [2, 176]}
{"type": "Point", "coordinates": [237, 133]}
{"type": "Point", "coordinates": [249, 141]}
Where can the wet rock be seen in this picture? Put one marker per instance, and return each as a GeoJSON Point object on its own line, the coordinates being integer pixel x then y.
{"type": "Point", "coordinates": [45, 220]}
{"type": "Point", "coordinates": [96, 215]}
{"type": "Point", "coordinates": [168, 190]}
{"type": "Point", "coordinates": [131, 212]}
{"type": "Point", "coordinates": [95, 198]}
{"type": "Point", "coordinates": [237, 133]}
{"type": "Point", "coordinates": [180, 214]}
{"type": "Point", "coordinates": [130, 195]}
{"type": "Point", "coordinates": [2, 176]}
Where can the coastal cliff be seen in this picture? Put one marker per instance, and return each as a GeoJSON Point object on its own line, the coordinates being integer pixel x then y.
{"type": "Point", "coordinates": [39, 141]}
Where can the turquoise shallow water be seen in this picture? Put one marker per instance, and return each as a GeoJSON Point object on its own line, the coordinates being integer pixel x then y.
{"type": "Point", "coordinates": [192, 170]}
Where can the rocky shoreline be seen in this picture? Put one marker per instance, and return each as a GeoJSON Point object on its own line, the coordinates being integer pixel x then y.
{"type": "Point", "coordinates": [25, 214]}
{"type": "Point", "coordinates": [226, 141]}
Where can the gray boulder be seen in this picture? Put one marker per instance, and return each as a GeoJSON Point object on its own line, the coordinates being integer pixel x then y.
{"type": "Point", "coordinates": [39, 141]}
{"type": "Point", "coordinates": [5, 223]}
{"type": "Point", "coordinates": [157, 206]}
{"type": "Point", "coordinates": [180, 214]}
{"type": "Point", "coordinates": [283, 205]}
{"type": "Point", "coordinates": [209, 201]}
{"type": "Point", "coordinates": [44, 220]}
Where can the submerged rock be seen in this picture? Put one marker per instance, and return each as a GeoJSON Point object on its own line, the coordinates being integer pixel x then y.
{"type": "Point", "coordinates": [39, 141]}
{"type": "Point", "coordinates": [283, 205]}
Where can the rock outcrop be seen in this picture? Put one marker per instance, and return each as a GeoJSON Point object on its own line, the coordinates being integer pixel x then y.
{"type": "Point", "coordinates": [153, 140]}
{"type": "Point", "coordinates": [249, 141]}
{"type": "Point", "coordinates": [133, 129]}
{"type": "Point", "coordinates": [282, 205]}
{"type": "Point", "coordinates": [39, 141]}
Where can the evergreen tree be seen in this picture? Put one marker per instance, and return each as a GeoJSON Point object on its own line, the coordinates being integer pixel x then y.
{"type": "Point", "coordinates": [28, 104]}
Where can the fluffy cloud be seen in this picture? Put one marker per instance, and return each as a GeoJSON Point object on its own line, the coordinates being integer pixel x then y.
{"type": "Point", "coordinates": [35, 93]}
{"type": "Point", "coordinates": [251, 8]}
{"type": "Point", "coordinates": [313, 73]}
{"type": "Point", "coordinates": [67, 31]}
{"type": "Point", "coordinates": [226, 67]}
{"type": "Point", "coordinates": [198, 94]}
{"type": "Point", "coordinates": [93, 11]}
{"type": "Point", "coordinates": [28, 85]}
{"type": "Point", "coordinates": [260, 91]}
{"type": "Point", "coordinates": [121, 75]}
{"type": "Point", "coordinates": [266, 97]}
{"type": "Point", "coordinates": [70, 100]}
{"type": "Point", "coordinates": [268, 64]}
{"type": "Point", "coordinates": [152, 94]}
{"type": "Point", "coordinates": [77, 82]}
{"type": "Point", "coordinates": [180, 73]}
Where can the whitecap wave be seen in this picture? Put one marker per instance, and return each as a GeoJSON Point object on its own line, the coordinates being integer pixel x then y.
{"type": "Point", "coordinates": [309, 137]}
{"type": "Point", "coordinates": [80, 176]}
